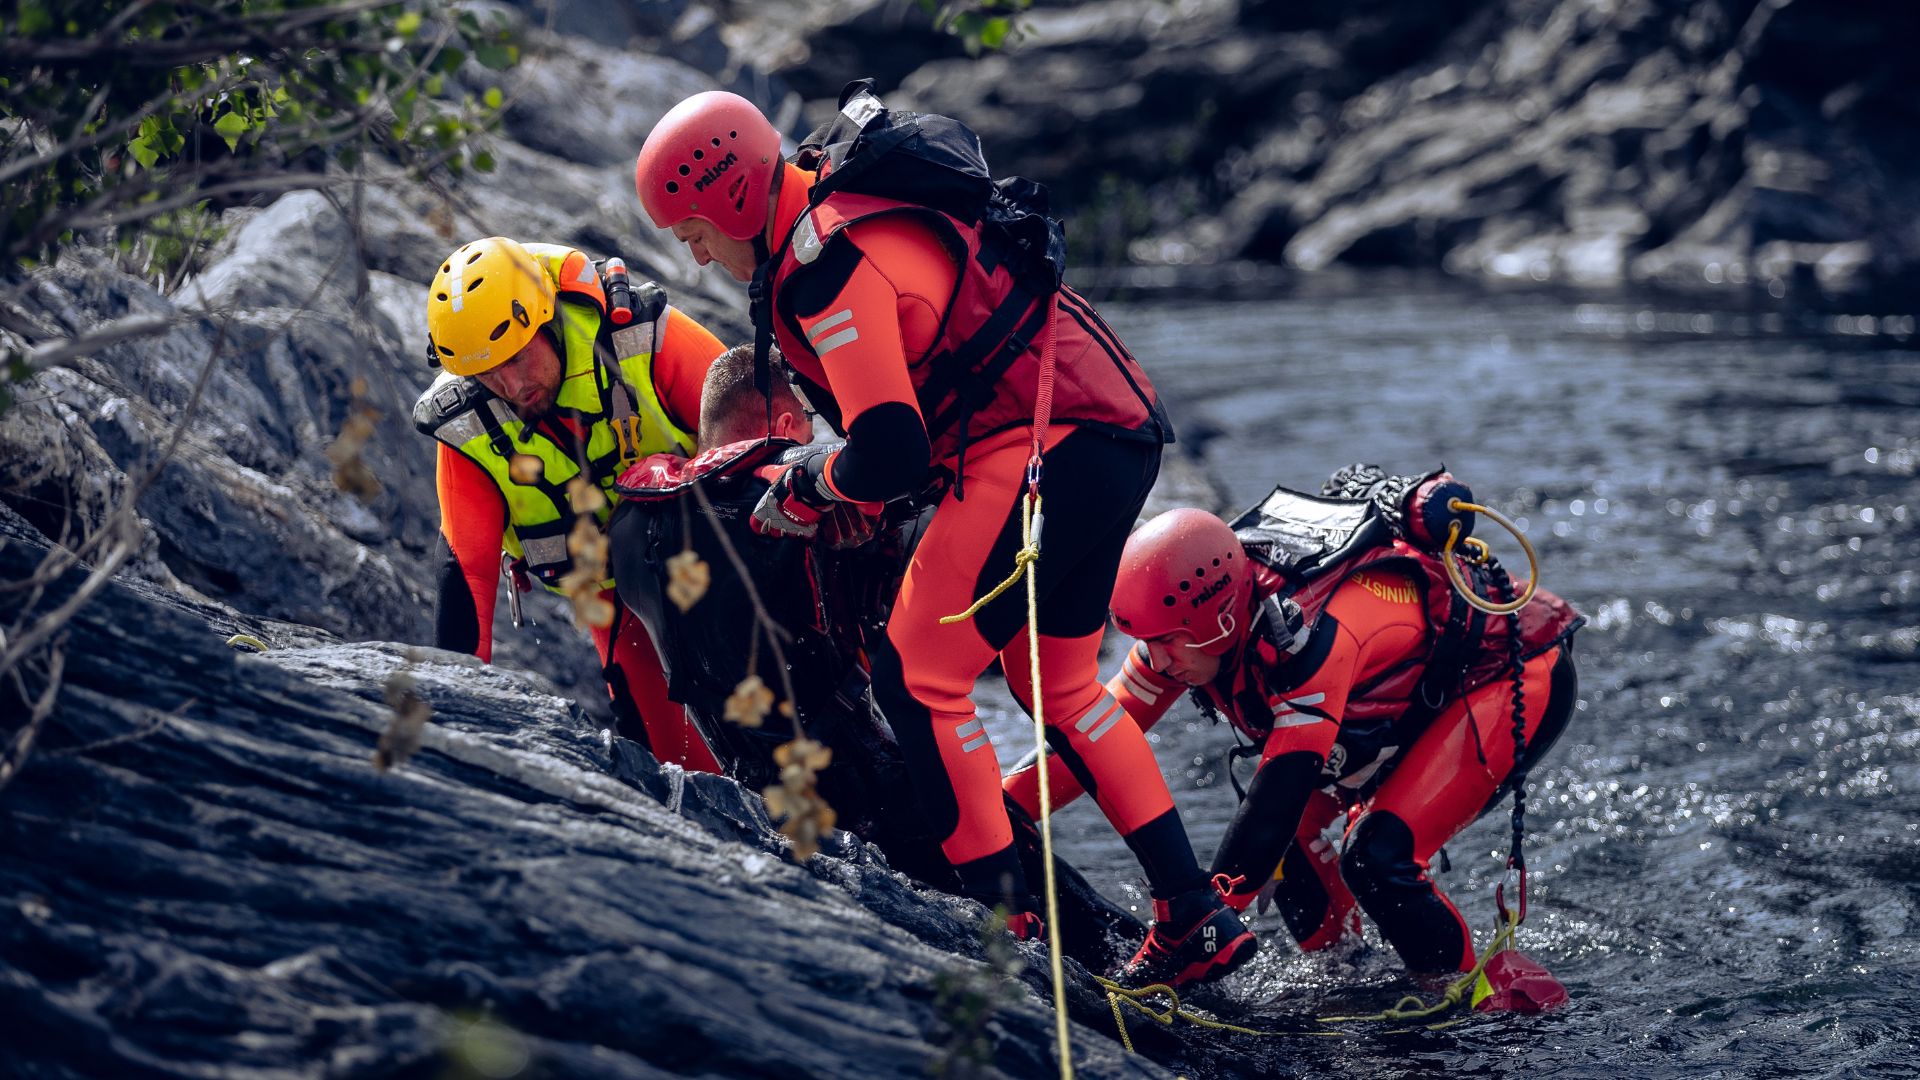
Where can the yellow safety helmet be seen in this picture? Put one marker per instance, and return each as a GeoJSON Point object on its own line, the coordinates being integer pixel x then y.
{"type": "Point", "coordinates": [485, 304]}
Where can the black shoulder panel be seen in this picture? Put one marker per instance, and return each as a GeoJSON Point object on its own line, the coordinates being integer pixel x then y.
{"type": "Point", "coordinates": [811, 289]}
{"type": "Point", "coordinates": [649, 301]}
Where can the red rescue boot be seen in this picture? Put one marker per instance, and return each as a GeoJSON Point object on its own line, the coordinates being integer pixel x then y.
{"type": "Point", "coordinates": [1196, 938]}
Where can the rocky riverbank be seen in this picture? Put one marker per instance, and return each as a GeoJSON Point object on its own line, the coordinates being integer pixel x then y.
{"type": "Point", "coordinates": [203, 872]}
{"type": "Point", "coordinates": [1700, 143]}
{"type": "Point", "coordinates": [202, 867]}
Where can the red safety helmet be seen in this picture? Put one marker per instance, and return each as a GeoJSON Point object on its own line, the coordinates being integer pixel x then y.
{"type": "Point", "coordinates": [713, 157]}
{"type": "Point", "coordinates": [1184, 572]}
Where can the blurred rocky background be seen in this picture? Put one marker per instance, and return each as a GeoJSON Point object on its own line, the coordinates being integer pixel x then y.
{"type": "Point", "coordinates": [1594, 142]}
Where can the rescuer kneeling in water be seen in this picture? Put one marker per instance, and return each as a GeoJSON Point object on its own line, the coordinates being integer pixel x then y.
{"type": "Point", "coordinates": [1376, 696]}
{"type": "Point", "coordinates": [553, 371]}
{"type": "Point", "coordinates": [908, 328]}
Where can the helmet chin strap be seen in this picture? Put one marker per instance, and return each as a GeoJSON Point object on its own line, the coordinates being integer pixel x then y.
{"type": "Point", "coordinates": [1227, 624]}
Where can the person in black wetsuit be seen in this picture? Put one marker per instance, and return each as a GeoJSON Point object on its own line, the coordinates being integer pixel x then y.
{"type": "Point", "coordinates": [831, 596]}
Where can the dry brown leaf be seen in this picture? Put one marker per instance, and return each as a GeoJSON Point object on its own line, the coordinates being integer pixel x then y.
{"type": "Point", "coordinates": [794, 802]}
{"type": "Point", "coordinates": [586, 497]}
{"type": "Point", "coordinates": [750, 702]}
{"type": "Point", "coordinates": [592, 609]}
{"type": "Point", "coordinates": [588, 546]}
{"type": "Point", "coordinates": [406, 727]}
{"type": "Point", "coordinates": [525, 469]}
{"type": "Point", "coordinates": [688, 578]}
{"type": "Point", "coordinates": [351, 473]}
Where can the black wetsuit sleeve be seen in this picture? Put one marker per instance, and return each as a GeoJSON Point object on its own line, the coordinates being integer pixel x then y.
{"type": "Point", "coordinates": [886, 455]}
{"type": "Point", "coordinates": [456, 623]}
{"type": "Point", "coordinates": [1258, 836]}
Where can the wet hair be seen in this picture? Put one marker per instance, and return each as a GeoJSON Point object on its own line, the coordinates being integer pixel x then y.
{"type": "Point", "coordinates": [731, 409]}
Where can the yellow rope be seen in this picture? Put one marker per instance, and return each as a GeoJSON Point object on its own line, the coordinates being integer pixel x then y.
{"type": "Point", "coordinates": [1412, 1008]}
{"type": "Point", "coordinates": [1138, 998]}
{"type": "Point", "coordinates": [1453, 570]}
{"type": "Point", "coordinates": [1022, 559]}
{"type": "Point", "coordinates": [1121, 999]}
{"type": "Point", "coordinates": [247, 641]}
{"type": "Point", "coordinates": [1023, 563]}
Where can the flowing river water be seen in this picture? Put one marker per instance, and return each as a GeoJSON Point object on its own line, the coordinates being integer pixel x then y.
{"type": "Point", "coordinates": [1726, 842]}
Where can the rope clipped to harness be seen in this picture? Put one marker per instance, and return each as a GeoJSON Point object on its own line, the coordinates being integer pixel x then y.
{"type": "Point", "coordinates": [1025, 558]}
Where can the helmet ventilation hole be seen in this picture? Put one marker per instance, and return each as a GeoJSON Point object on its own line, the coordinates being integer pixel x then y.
{"type": "Point", "coordinates": [1185, 586]}
{"type": "Point", "coordinates": [475, 283]}
{"type": "Point", "coordinates": [686, 170]}
{"type": "Point", "coordinates": [673, 188]}
{"type": "Point", "coordinates": [699, 155]}
{"type": "Point", "coordinates": [501, 329]}
{"type": "Point", "coordinates": [471, 259]}
{"type": "Point", "coordinates": [440, 296]}
{"type": "Point", "coordinates": [1169, 601]}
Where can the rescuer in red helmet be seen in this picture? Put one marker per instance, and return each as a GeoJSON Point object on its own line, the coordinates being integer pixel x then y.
{"type": "Point", "coordinates": [1378, 699]}
{"type": "Point", "coordinates": [916, 343]}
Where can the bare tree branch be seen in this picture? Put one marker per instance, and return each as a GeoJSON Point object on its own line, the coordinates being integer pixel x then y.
{"type": "Point", "coordinates": [42, 708]}
{"type": "Point", "coordinates": [71, 350]}
{"type": "Point", "coordinates": [158, 722]}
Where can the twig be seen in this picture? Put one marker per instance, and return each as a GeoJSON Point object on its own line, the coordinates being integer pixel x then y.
{"type": "Point", "coordinates": [73, 349]}
{"type": "Point", "coordinates": [152, 726]}
{"type": "Point", "coordinates": [22, 744]}
{"type": "Point", "coordinates": [775, 632]}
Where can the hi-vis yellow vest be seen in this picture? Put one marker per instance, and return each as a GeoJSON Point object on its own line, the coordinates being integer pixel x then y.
{"type": "Point", "coordinates": [615, 403]}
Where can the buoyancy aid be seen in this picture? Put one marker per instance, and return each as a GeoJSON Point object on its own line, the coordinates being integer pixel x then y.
{"type": "Point", "coordinates": [981, 375]}
{"type": "Point", "coordinates": [1304, 548]}
{"type": "Point", "coordinates": [607, 390]}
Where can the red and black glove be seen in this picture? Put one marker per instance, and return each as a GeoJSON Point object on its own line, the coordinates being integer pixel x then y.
{"type": "Point", "coordinates": [797, 501]}
{"type": "Point", "coordinates": [791, 507]}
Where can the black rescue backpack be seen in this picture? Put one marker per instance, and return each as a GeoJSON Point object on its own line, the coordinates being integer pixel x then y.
{"type": "Point", "coordinates": [927, 160]}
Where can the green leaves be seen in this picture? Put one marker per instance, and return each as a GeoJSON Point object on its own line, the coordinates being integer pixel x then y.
{"type": "Point", "coordinates": [230, 127]}
{"type": "Point", "coordinates": [157, 139]}
{"type": "Point", "coordinates": [497, 56]}
{"type": "Point", "coordinates": [148, 101]}
{"type": "Point", "coordinates": [34, 18]}
{"type": "Point", "coordinates": [976, 25]}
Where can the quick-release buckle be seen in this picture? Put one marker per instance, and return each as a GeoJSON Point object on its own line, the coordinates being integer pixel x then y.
{"type": "Point", "coordinates": [626, 436]}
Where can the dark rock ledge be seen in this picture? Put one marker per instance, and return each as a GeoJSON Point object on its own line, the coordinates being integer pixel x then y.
{"type": "Point", "coordinates": [202, 875]}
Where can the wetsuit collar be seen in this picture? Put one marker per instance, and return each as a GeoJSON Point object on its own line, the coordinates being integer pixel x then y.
{"type": "Point", "coordinates": [796, 184]}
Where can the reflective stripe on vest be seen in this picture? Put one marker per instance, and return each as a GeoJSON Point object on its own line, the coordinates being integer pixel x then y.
{"type": "Point", "coordinates": [490, 434]}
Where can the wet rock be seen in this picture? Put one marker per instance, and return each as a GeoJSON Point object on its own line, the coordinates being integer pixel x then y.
{"type": "Point", "coordinates": [204, 872]}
